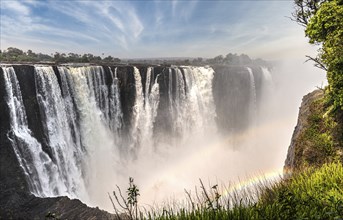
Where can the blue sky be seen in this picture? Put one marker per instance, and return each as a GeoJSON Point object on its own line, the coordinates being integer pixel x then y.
{"type": "Point", "coordinates": [139, 29]}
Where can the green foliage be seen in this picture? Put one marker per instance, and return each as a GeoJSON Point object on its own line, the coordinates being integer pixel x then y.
{"type": "Point", "coordinates": [234, 59]}
{"type": "Point", "coordinates": [325, 27]}
{"type": "Point", "coordinates": [16, 55]}
{"type": "Point", "coordinates": [311, 194]}
{"type": "Point", "coordinates": [319, 141]}
{"type": "Point", "coordinates": [129, 205]}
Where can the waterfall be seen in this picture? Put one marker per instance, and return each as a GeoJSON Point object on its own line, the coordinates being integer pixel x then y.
{"type": "Point", "coordinates": [170, 91]}
{"type": "Point", "coordinates": [201, 109]}
{"type": "Point", "coordinates": [39, 169]}
{"type": "Point", "coordinates": [268, 80]}
{"type": "Point", "coordinates": [178, 112]}
{"type": "Point", "coordinates": [101, 151]}
{"type": "Point", "coordinates": [95, 76]}
{"type": "Point", "coordinates": [115, 113]}
{"type": "Point", "coordinates": [151, 101]}
{"type": "Point", "coordinates": [144, 111]}
{"type": "Point", "coordinates": [90, 142]}
{"type": "Point", "coordinates": [193, 110]}
{"type": "Point", "coordinates": [253, 99]}
{"type": "Point", "coordinates": [138, 112]}
{"type": "Point", "coordinates": [266, 75]}
{"type": "Point", "coordinates": [67, 153]}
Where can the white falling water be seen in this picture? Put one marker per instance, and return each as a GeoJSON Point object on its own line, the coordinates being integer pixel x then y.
{"type": "Point", "coordinates": [40, 171]}
{"type": "Point", "coordinates": [95, 76]}
{"type": "Point", "coordinates": [193, 110]}
{"type": "Point", "coordinates": [178, 112]}
{"type": "Point", "coordinates": [68, 91]}
{"type": "Point", "coordinates": [138, 112]}
{"type": "Point", "coordinates": [144, 112]}
{"type": "Point", "coordinates": [170, 91]}
{"type": "Point", "coordinates": [253, 99]}
{"type": "Point", "coordinates": [266, 75]}
{"type": "Point", "coordinates": [268, 81]}
{"type": "Point", "coordinates": [151, 101]}
{"type": "Point", "coordinates": [102, 155]}
{"type": "Point", "coordinates": [201, 109]}
{"type": "Point", "coordinates": [66, 153]}
{"type": "Point", "coordinates": [115, 113]}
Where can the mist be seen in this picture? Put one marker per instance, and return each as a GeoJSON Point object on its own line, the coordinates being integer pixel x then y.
{"type": "Point", "coordinates": [223, 124]}
{"type": "Point", "coordinates": [162, 173]}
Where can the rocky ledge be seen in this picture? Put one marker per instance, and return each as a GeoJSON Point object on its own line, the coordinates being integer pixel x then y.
{"type": "Point", "coordinates": [22, 205]}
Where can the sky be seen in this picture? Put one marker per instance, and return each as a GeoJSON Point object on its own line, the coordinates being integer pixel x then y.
{"type": "Point", "coordinates": [148, 28]}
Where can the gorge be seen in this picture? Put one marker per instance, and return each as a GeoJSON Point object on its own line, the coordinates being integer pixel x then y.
{"type": "Point", "coordinates": [77, 131]}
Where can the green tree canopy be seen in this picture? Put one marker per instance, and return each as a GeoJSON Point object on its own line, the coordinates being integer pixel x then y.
{"type": "Point", "coordinates": [323, 20]}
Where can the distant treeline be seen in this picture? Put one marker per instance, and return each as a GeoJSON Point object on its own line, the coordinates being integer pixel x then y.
{"type": "Point", "coordinates": [14, 55]}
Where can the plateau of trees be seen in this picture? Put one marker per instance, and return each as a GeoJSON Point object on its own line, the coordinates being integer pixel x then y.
{"type": "Point", "coordinates": [323, 22]}
{"type": "Point", "coordinates": [13, 54]}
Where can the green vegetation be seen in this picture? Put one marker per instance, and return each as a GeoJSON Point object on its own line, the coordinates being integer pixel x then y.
{"type": "Point", "coordinates": [326, 28]}
{"type": "Point", "coordinates": [311, 194]}
{"type": "Point", "coordinates": [323, 22]}
{"type": "Point", "coordinates": [16, 55]}
{"type": "Point", "coordinates": [321, 138]}
{"type": "Point", "coordinates": [129, 206]}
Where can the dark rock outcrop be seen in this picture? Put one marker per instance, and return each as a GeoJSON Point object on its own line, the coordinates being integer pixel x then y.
{"type": "Point", "coordinates": [21, 205]}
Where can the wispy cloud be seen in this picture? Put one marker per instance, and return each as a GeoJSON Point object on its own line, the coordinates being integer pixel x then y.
{"type": "Point", "coordinates": [15, 7]}
{"type": "Point", "coordinates": [144, 28]}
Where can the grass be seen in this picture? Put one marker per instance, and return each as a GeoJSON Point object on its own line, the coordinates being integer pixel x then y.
{"type": "Point", "coordinates": [316, 193]}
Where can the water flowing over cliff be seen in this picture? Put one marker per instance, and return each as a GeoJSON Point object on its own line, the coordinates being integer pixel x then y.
{"type": "Point", "coordinates": [74, 129]}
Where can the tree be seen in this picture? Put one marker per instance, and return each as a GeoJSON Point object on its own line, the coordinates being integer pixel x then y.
{"type": "Point", "coordinates": [84, 58]}
{"type": "Point", "coordinates": [108, 59]}
{"type": "Point", "coordinates": [325, 27]}
{"type": "Point", "coordinates": [305, 9]}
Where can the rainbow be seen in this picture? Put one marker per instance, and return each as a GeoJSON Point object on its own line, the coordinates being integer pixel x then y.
{"type": "Point", "coordinates": [252, 182]}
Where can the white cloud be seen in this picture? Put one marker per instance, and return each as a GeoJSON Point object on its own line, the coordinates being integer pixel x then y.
{"type": "Point", "coordinates": [16, 7]}
{"type": "Point", "coordinates": [164, 29]}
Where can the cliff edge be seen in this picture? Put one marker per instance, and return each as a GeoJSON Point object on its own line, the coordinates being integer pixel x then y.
{"type": "Point", "coordinates": [317, 137]}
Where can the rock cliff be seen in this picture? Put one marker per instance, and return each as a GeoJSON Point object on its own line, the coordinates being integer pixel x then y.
{"type": "Point", "coordinates": [317, 137]}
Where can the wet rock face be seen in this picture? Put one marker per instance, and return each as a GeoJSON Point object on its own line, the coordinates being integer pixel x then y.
{"type": "Point", "coordinates": [26, 78]}
{"type": "Point", "coordinates": [163, 117]}
{"type": "Point", "coordinates": [11, 175]}
{"type": "Point", "coordinates": [127, 93]}
{"type": "Point", "coordinates": [231, 93]}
